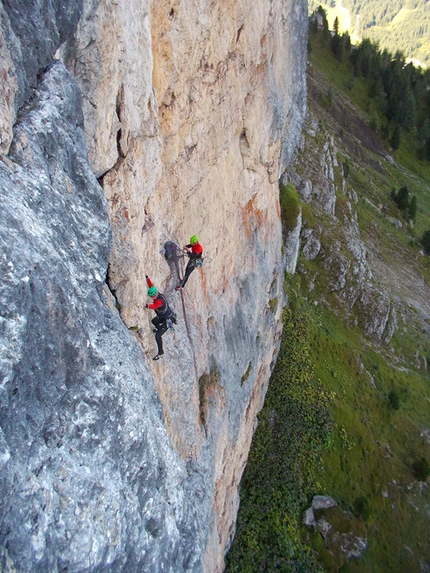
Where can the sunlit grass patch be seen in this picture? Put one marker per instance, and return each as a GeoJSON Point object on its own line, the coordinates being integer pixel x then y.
{"type": "Point", "coordinates": [290, 205]}
{"type": "Point", "coordinates": [373, 446]}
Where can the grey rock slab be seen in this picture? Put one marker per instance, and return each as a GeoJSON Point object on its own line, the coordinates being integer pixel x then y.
{"type": "Point", "coordinates": [37, 29]}
{"type": "Point", "coordinates": [88, 478]}
{"type": "Point", "coordinates": [323, 502]}
{"type": "Point", "coordinates": [309, 518]}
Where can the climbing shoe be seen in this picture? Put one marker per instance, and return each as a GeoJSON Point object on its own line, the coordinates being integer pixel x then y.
{"type": "Point", "coordinates": [158, 356]}
{"type": "Point", "coordinates": [178, 287]}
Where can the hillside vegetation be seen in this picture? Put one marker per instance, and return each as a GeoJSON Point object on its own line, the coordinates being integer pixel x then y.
{"type": "Point", "coordinates": [394, 24]}
{"type": "Point", "coordinates": [347, 413]}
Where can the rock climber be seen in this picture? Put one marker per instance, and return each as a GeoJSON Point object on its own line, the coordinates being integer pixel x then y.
{"type": "Point", "coordinates": [194, 250]}
{"type": "Point", "coordinates": [164, 315]}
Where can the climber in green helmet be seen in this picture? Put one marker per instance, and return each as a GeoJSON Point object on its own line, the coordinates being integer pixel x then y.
{"type": "Point", "coordinates": [194, 251]}
{"type": "Point", "coordinates": [164, 315]}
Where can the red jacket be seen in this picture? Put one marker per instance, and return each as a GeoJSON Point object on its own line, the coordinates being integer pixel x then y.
{"type": "Point", "coordinates": [157, 301]}
{"type": "Point", "coordinates": [196, 250]}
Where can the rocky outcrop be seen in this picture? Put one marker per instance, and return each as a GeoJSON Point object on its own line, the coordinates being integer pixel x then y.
{"type": "Point", "coordinates": [345, 536]}
{"type": "Point", "coordinates": [190, 114]}
{"type": "Point", "coordinates": [365, 282]}
{"type": "Point", "coordinates": [29, 36]}
{"type": "Point", "coordinates": [343, 254]}
{"type": "Point", "coordinates": [292, 246]}
{"type": "Point", "coordinates": [318, 502]}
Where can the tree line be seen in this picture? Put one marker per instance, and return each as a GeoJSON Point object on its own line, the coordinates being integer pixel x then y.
{"type": "Point", "coordinates": [382, 12]}
{"type": "Point", "coordinates": [391, 23]}
{"type": "Point", "coordinates": [399, 90]}
{"type": "Point", "coordinates": [407, 204]}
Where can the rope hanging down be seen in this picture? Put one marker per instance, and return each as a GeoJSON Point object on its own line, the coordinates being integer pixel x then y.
{"type": "Point", "coordinates": [171, 253]}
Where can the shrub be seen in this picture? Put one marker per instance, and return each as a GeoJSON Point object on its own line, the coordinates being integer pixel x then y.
{"type": "Point", "coordinates": [246, 375]}
{"type": "Point", "coordinates": [290, 206]}
{"type": "Point", "coordinates": [394, 399]}
{"type": "Point", "coordinates": [374, 122]}
{"type": "Point", "coordinates": [406, 203]}
{"type": "Point", "coordinates": [401, 198]}
{"type": "Point", "coordinates": [385, 130]}
{"type": "Point", "coordinates": [361, 508]}
{"type": "Point", "coordinates": [425, 241]}
{"type": "Point", "coordinates": [346, 168]}
{"type": "Point", "coordinates": [421, 469]}
{"type": "Point", "coordinates": [207, 383]}
{"type": "Point", "coordinates": [327, 99]}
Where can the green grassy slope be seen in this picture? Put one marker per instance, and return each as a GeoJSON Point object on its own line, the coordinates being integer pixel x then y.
{"type": "Point", "coordinates": [373, 447]}
{"type": "Point", "coordinates": [382, 443]}
{"type": "Point", "coordinates": [346, 414]}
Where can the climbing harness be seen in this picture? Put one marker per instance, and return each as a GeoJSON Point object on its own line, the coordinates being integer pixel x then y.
{"type": "Point", "coordinates": [171, 321]}
{"type": "Point", "coordinates": [197, 262]}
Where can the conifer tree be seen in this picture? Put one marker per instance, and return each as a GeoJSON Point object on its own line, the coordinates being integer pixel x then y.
{"type": "Point", "coordinates": [401, 198]}
{"type": "Point", "coordinates": [336, 26]}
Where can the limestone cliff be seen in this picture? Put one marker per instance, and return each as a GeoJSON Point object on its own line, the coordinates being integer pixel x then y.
{"type": "Point", "coordinates": [187, 113]}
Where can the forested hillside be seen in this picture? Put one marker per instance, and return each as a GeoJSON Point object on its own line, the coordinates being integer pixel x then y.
{"type": "Point", "coordinates": [396, 95]}
{"type": "Point", "coordinates": [338, 475]}
{"type": "Point", "coordinates": [395, 24]}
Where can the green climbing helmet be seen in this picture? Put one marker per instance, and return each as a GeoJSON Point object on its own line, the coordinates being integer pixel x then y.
{"type": "Point", "coordinates": [152, 291]}
{"type": "Point", "coordinates": [194, 240]}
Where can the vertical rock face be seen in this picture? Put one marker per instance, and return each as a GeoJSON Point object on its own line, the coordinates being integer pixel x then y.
{"type": "Point", "coordinates": [191, 112]}
{"type": "Point", "coordinates": [29, 35]}
{"type": "Point", "coordinates": [191, 115]}
{"type": "Point", "coordinates": [88, 476]}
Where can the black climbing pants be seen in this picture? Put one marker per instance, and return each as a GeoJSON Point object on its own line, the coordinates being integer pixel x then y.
{"type": "Point", "coordinates": [189, 269]}
{"type": "Point", "coordinates": [161, 327]}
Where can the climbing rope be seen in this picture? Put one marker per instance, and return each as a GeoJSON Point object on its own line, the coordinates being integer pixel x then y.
{"type": "Point", "coordinates": [171, 252]}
